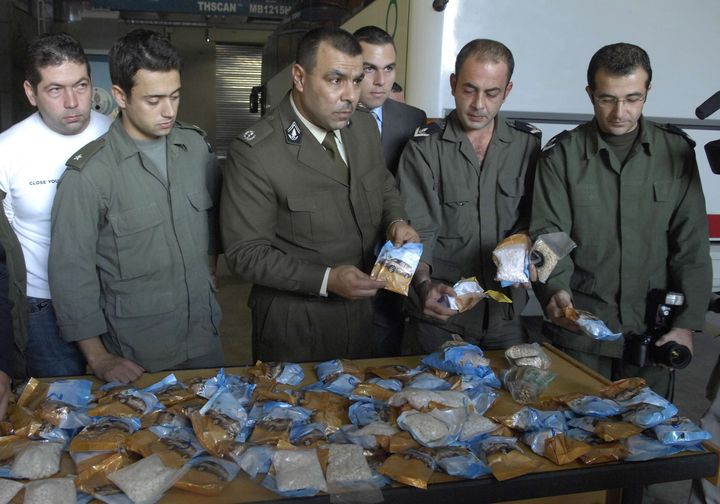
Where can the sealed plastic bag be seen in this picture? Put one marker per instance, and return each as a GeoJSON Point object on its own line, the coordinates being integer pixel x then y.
{"type": "Point", "coordinates": [298, 471]}
{"type": "Point", "coordinates": [397, 265]}
{"type": "Point", "coordinates": [411, 467]}
{"type": "Point", "coordinates": [437, 428]}
{"type": "Point", "coordinates": [460, 462]}
{"type": "Point", "coordinates": [346, 466]}
{"type": "Point", "coordinates": [207, 475]}
{"type": "Point", "coordinates": [547, 251]}
{"type": "Point", "coordinates": [512, 257]}
{"type": "Point", "coordinates": [528, 354]}
{"type": "Point", "coordinates": [36, 460]}
{"type": "Point", "coordinates": [469, 293]}
{"type": "Point", "coordinates": [526, 383]}
{"type": "Point", "coordinates": [50, 491]}
{"type": "Point", "coordinates": [146, 480]}
{"type": "Point", "coordinates": [680, 431]}
{"type": "Point", "coordinates": [8, 490]}
{"type": "Point", "coordinates": [591, 325]}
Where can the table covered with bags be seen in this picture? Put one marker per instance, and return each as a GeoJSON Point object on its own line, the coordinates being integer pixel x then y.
{"type": "Point", "coordinates": [454, 425]}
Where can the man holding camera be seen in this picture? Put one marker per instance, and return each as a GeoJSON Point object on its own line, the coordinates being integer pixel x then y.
{"type": "Point", "coordinates": [628, 192]}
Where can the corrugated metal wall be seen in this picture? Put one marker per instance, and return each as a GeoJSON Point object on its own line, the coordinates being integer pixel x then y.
{"type": "Point", "coordinates": [238, 69]}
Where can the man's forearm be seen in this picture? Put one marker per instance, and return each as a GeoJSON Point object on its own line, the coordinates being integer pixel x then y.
{"type": "Point", "coordinates": [93, 349]}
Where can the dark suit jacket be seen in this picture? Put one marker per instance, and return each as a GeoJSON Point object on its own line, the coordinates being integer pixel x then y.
{"type": "Point", "coordinates": [399, 123]}
{"type": "Point", "coordinates": [286, 212]}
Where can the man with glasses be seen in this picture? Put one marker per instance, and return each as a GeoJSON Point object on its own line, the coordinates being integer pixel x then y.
{"type": "Point", "coordinates": [627, 191]}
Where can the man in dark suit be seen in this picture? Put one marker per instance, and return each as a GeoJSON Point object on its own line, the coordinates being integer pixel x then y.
{"type": "Point", "coordinates": [397, 123]}
{"type": "Point", "coordinates": [306, 198]}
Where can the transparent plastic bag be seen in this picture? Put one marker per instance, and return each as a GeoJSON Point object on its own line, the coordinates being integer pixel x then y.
{"type": "Point", "coordinates": [528, 354]}
{"type": "Point", "coordinates": [397, 265]}
{"type": "Point", "coordinates": [147, 480]}
{"type": "Point", "coordinates": [548, 250]}
{"type": "Point", "coordinates": [512, 257]}
{"type": "Point", "coordinates": [526, 383]}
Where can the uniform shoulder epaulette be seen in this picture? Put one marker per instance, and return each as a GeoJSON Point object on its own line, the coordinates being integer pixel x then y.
{"type": "Point", "coordinates": [78, 160]}
{"type": "Point", "coordinates": [525, 127]}
{"type": "Point", "coordinates": [671, 128]}
{"type": "Point", "coordinates": [555, 140]}
{"type": "Point", "coordinates": [255, 133]}
{"type": "Point", "coordinates": [197, 129]}
{"type": "Point", "coordinates": [426, 130]}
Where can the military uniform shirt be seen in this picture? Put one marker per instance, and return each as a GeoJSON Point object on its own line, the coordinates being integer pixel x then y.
{"type": "Point", "coordinates": [129, 251]}
{"type": "Point", "coordinates": [638, 227]}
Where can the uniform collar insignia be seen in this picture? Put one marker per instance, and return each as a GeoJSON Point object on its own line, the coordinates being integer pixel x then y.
{"type": "Point", "coordinates": [294, 135]}
{"type": "Point", "coordinates": [249, 135]}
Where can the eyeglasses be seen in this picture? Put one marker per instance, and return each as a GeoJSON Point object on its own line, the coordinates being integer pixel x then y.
{"type": "Point", "coordinates": [612, 101]}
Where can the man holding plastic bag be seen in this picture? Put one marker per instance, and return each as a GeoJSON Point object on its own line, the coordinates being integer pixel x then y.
{"type": "Point", "coordinates": [627, 191]}
{"type": "Point", "coordinates": [466, 187]}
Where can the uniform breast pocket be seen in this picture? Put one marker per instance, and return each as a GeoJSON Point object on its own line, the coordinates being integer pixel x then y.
{"type": "Point", "coordinates": [140, 241]}
{"type": "Point", "coordinates": [663, 197]}
{"type": "Point", "coordinates": [314, 218]}
{"type": "Point", "coordinates": [459, 211]}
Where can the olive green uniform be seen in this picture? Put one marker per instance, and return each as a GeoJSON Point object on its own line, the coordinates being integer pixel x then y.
{"type": "Point", "coordinates": [287, 214]}
{"type": "Point", "coordinates": [462, 209]}
{"type": "Point", "coordinates": [129, 250]}
{"type": "Point", "coordinates": [637, 227]}
{"type": "Point", "coordinates": [16, 289]}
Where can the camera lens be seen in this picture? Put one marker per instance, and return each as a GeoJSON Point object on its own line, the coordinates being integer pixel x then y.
{"type": "Point", "coordinates": [672, 354]}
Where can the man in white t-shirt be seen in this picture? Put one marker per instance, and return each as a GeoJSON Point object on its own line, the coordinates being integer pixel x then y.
{"type": "Point", "coordinates": [32, 158]}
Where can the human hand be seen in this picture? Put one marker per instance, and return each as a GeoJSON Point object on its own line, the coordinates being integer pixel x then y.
{"type": "Point", "coordinates": [678, 335]}
{"type": "Point", "coordinates": [351, 283]}
{"type": "Point", "coordinates": [555, 309]}
{"type": "Point", "coordinates": [430, 294]}
{"type": "Point", "coordinates": [110, 368]}
{"type": "Point", "coordinates": [5, 393]}
{"type": "Point", "coordinates": [401, 232]}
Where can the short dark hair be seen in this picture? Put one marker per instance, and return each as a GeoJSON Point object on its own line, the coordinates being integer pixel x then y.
{"type": "Point", "coordinates": [619, 59]}
{"type": "Point", "coordinates": [338, 39]}
{"type": "Point", "coordinates": [486, 50]}
{"type": "Point", "coordinates": [52, 49]}
{"type": "Point", "coordinates": [374, 36]}
{"type": "Point", "coordinates": [140, 50]}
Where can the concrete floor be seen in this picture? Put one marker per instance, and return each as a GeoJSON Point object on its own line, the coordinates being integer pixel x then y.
{"type": "Point", "coordinates": [689, 391]}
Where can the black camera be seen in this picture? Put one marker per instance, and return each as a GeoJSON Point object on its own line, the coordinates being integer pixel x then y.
{"type": "Point", "coordinates": [640, 349]}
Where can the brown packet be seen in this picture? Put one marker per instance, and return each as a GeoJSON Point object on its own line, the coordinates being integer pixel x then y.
{"type": "Point", "coordinates": [9, 446]}
{"type": "Point", "coordinates": [139, 442]}
{"type": "Point", "coordinates": [605, 452]}
{"type": "Point", "coordinates": [402, 441]}
{"type": "Point", "coordinates": [411, 467]}
{"type": "Point", "coordinates": [391, 371]}
{"type": "Point", "coordinates": [84, 463]}
{"type": "Point", "coordinates": [206, 477]}
{"type": "Point", "coordinates": [348, 367]}
{"type": "Point", "coordinates": [6, 429]}
{"type": "Point", "coordinates": [330, 409]}
{"type": "Point", "coordinates": [562, 450]}
{"type": "Point", "coordinates": [119, 405]}
{"type": "Point", "coordinates": [108, 396]}
{"type": "Point", "coordinates": [164, 417]}
{"type": "Point", "coordinates": [396, 266]}
{"type": "Point", "coordinates": [53, 412]}
{"type": "Point", "coordinates": [623, 389]}
{"type": "Point", "coordinates": [33, 394]}
{"type": "Point", "coordinates": [512, 464]}
{"type": "Point", "coordinates": [610, 431]}
{"type": "Point", "coordinates": [215, 431]}
{"type": "Point", "coordinates": [271, 431]}
{"type": "Point", "coordinates": [288, 396]}
{"type": "Point", "coordinates": [93, 478]}
{"type": "Point", "coordinates": [175, 394]}
{"type": "Point", "coordinates": [373, 391]}
{"type": "Point", "coordinates": [187, 408]}
{"type": "Point", "coordinates": [25, 422]}
{"type": "Point", "coordinates": [109, 434]}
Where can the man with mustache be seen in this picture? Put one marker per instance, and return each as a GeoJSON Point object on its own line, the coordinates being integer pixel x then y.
{"type": "Point", "coordinates": [306, 198]}
{"type": "Point", "coordinates": [628, 193]}
{"type": "Point", "coordinates": [467, 187]}
{"type": "Point", "coordinates": [134, 228]}
{"type": "Point", "coordinates": [32, 158]}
